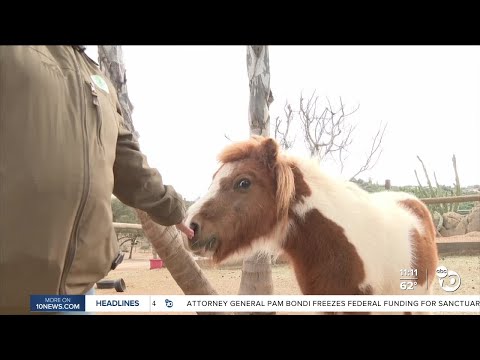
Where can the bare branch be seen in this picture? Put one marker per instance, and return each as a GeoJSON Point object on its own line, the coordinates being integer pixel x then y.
{"type": "Point", "coordinates": [330, 134]}
{"type": "Point", "coordinates": [326, 134]}
{"type": "Point", "coordinates": [355, 110]}
{"type": "Point", "coordinates": [282, 132]}
{"type": "Point", "coordinates": [375, 149]}
{"type": "Point", "coordinates": [444, 207]}
{"type": "Point", "coordinates": [420, 187]}
{"type": "Point", "coordinates": [278, 123]}
{"type": "Point", "coordinates": [432, 192]}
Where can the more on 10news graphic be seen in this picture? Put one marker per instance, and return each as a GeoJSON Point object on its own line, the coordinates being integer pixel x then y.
{"type": "Point", "coordinates": [406, 301]}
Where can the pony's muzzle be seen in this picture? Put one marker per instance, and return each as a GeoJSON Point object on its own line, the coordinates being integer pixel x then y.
{"type": "Point", "coordinates": [195, 227]}
{"type": "Point", "coordinates": [194, 242]}
{"type": "Point", "coordinates": [201, 243]}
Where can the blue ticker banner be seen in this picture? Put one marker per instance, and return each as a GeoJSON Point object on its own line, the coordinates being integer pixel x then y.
{"type": "Point", "coordinates": [55, 303]}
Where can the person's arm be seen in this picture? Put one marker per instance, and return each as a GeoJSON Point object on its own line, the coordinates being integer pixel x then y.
{"type": "Point", "coordinates": [140, 186]}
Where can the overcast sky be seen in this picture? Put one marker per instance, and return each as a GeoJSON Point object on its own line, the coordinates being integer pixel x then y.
{"type": "Point", "coordinates": [187, 98]}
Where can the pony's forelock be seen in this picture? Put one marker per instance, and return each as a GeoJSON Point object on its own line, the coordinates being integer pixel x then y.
{"type": "Point", "coordinates": [239, 151]}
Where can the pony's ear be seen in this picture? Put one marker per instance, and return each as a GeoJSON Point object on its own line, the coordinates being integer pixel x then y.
{"type": "Point", "coordinates": [269, 151]}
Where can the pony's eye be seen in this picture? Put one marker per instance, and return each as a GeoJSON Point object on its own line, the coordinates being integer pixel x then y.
{"type": "Point", "coordinates": [243, 184]}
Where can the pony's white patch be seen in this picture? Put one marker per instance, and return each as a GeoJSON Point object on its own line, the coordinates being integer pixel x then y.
{"type": "Point", "coordinates": [223, 172]}
{"type": "Point", "coordinates": [272, 243]}
{"type": "Point", "coordinates": [375, 224]}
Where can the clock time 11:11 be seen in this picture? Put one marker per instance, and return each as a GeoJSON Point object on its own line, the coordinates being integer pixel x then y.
{"type": "Point", "coordinates": [408, 272]}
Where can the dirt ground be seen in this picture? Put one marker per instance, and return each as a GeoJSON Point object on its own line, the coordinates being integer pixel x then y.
{"type": "Point", "coordinates": [141, 280]}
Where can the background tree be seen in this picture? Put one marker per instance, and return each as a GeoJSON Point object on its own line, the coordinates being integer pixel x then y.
{"type": "Point", "coordinates": [327, 132]}
{"type": "Point", "coordinates": [282, 128]}
{"type": "Point", "coordinates": [123, 213]}
{"type": "Point", "coordinates": [167, 241]}
{"type": "Point", "coordinates": [256, 270]}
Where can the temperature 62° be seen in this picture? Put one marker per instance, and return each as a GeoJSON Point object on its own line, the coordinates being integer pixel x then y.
{"type": "Point", "coordinates": [408, 285]}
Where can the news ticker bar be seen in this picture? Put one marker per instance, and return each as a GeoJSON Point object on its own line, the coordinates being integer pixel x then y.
{"type": "Point", "coordinates": [254, 303]}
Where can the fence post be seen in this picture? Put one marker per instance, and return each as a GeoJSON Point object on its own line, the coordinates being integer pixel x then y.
{"type": "Point", "coordinates": [387, 184]}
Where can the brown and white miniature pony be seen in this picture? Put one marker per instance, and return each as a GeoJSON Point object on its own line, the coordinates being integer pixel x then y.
{"type": "Point", "coordinates": [341, 240]}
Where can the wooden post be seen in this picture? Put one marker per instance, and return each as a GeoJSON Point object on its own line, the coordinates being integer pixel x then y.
{"type": "Point", "coordinates": [256, 270]}
{"type": "Point", "coordinates": [387, 184]}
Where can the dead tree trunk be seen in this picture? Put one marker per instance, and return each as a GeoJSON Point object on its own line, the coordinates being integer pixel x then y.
{"type": "Point", "coordinates": [256, 270]}
{"type": "Point", "coordinates": [167, 241]}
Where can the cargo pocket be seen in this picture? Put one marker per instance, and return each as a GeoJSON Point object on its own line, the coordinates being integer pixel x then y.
{"type": "Point", "coordinates": [104, 115]}
{"type": "Point", "coordinates": [98, 111]}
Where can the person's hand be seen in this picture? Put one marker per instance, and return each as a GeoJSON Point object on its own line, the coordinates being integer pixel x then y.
{"type": "Point", "coordinates": [185, 229]}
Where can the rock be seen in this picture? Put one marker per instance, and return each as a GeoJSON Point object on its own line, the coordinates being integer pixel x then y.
{"type": "Point", "coordinates": [451, 220]}
{"type": "Point", "coordinates": [461, 228]}
{"type": "Point", "coordinates": [438, 220]}
{"type": "Point", "coordinates": [456, 224]}
{"type": "Point", "coordinates": [453, 232]}
{"type": "Point", "coordinates": [473, 219]}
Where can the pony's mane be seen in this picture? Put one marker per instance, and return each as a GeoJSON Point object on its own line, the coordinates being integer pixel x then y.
{"type": "Point", "coordinates": [285, 186]}
{"type": "Point", "coordinates": [240, 150]}
{"type": "Point", "coordinates": [266, 150]}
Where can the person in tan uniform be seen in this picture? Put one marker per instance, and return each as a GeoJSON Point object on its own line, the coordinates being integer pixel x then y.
{"type": "Point", "coordinates": [64, 150]}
